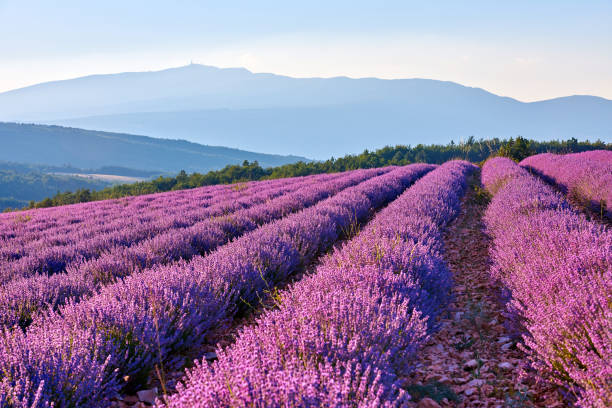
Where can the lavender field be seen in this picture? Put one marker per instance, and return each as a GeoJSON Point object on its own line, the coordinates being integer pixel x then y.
{"type": "Point", "coordinates": [333, 290]}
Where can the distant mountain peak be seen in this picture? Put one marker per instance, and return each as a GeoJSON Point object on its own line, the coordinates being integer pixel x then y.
{"type": "Point", "coordinates": [194, 65]}
{"type": "Point", "coordinates": [313, 117]}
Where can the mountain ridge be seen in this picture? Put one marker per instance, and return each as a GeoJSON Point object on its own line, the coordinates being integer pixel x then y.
{"type": "Point", "coordinates": [270, 74]}
{"type": "Point", "coordinates": [312, 117]}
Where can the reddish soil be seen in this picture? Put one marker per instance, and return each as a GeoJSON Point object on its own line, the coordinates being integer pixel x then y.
{"type": "Point", "coordinates": [472, 361]}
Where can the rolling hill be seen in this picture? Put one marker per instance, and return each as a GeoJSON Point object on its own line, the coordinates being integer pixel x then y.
{"type": "Point", "coordinates": [60, 146]}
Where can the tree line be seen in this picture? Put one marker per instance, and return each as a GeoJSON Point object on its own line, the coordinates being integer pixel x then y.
{"type": "Point", "coordinates": [473, 150]}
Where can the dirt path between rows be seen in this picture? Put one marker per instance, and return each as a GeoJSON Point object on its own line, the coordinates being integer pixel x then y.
{"type": "Point", "coordinates": [472, 361]}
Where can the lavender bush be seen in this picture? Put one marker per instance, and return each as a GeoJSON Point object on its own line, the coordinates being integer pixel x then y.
{"type": "Point", "coordinates": [586, 177]}
{"type": "Point", "coordinates": [342, 336]}
{"type": "Point", "coordinates": [89, 234]}
{"type": "Point", "coordinates": [150, 317]}
{"type": "Point", "coordinates": [557, 267]}
{"type": "Point", "coordinates": [22, 299]}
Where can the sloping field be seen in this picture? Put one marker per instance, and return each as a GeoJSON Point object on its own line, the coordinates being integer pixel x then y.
{"type": "Point", "coordinates": [331, 290]}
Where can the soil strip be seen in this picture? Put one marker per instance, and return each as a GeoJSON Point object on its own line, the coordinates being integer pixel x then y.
{"type": "Point", "coordinates": [473, 361]}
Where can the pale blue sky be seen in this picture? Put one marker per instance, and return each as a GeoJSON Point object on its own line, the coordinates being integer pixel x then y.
{"type": "Point", "coordinates": [529, 50]}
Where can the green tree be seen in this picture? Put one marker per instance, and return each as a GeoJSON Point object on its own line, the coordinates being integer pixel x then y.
{"type": "Point", "coordinates": [516, 149]}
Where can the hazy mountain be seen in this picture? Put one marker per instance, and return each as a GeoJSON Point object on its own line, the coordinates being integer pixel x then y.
{"type": "Point", "coordinates": [314, 117]}
{"type": "Point", "coordinates": [60, 146]}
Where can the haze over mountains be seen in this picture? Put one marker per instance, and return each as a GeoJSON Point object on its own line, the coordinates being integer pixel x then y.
{"type": "Point", "coordinates": [312, 117]}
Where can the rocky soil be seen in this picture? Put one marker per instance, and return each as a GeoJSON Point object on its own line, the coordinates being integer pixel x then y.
{"type": "Point", "coordinates": [472, 361]}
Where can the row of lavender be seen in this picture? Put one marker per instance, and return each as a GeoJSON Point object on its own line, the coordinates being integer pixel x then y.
{"type": "Point", "coordinates": [23, 226]}
{"type": "Point", "coordinates": [557, 267]}
{"type": "Point", "coordinates": [83, 225]}
{"type": "Point", "coordinates": [344, 335]}
{"type": "Point", "coordinates": [21, 299]}
{"type": "Point", "coordinates": [58, 249]}
{"type": "Point", "coordinates": [586, 177]}
{"type": "Point", "coordinates": [83, 354]}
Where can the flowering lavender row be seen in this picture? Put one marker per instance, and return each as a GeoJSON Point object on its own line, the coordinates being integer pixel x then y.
{"type": "Point", "coordinates": [15, 225]}
{"type": "Point", "coordinates": [602, 156]}
{"type": "Point", "coordinates": [130, 231]}
{"type": "Point", "coordinates": [22, 298]}
{"type": "Point", "coordinates": [125, 226]}
{"type": "Point", "coordinates": [557, 267]}
{"type": "Point", "coordinates": [585, 177]}
{"type": "Point", "coordinates": [55, 251]}
{"type": "Point", "coordinates": [341, 336]}
{"type": "Point", "coordinates": [81, 355]}
{"type": "Point", "coordinates": [23, 226]}
{"type": "Point", "coordinates": [85, 224]}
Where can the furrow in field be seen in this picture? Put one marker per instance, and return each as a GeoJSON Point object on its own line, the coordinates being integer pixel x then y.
{"type": "Point", "coordinates": [22, 299]}
{"type": "Point", "coordinates": [83, 354]}
{"type": "Point", "coordinates": [344, 335]}
{"type": "Point", "coordinates": [473, 360]}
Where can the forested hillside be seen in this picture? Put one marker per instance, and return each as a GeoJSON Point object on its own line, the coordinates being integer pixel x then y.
{"type": "Point", "coordinates": [472, 150]}
{"type": "Point", "coordinates": [60, 146]}
{"type": "Point", "coordinates": [18, 190]}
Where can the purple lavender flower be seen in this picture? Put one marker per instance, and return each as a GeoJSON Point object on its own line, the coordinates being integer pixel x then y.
{"type": "Point", "coordinates": [342, 336]}
{"type": "Point", "coordinates": [586, 177]}
{"type": "Point", "coordinates": [557, 267]}
{"type": "Point", "coordinates": [149, 317]}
